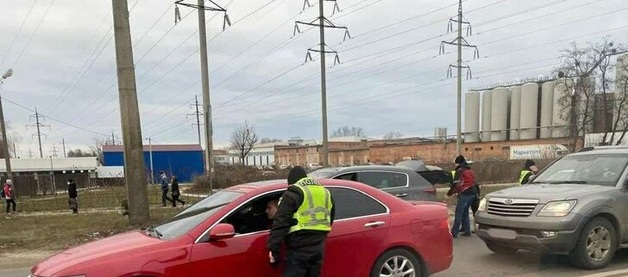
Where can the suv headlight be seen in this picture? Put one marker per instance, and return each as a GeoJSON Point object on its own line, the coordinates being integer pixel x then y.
{"type": "Point", "coordinates": [482, 207]}
{"type": "Point", "coordinates": [557, 208]}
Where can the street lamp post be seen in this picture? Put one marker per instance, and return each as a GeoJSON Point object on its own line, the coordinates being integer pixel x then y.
{"type": "Point", "coordinates": [150, 151]}
{"type": "Point", "coordinates": [5, 141]}
{"type": "Point", "coordinates": [52, 177]}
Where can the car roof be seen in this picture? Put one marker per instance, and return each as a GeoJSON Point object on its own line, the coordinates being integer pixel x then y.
{"type": "Point", "coordinates": [375, 167]}
{"type": "Point", "coordinates": [615, 149]}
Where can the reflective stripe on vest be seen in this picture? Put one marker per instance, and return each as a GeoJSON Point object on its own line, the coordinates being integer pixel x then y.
{"type": "Point", "coordinates": [523, 175]}
{"type": "Point", "coordinates": [315, 211]}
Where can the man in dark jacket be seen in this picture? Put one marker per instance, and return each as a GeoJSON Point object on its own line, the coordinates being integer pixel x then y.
{"type": "Point", "coordinates": [467, 189]}
{"type": "Point", "coordinates": [73, 196]}
{"type": "Point", "coordinates": [164, 189]}
{"type": "Point", "coordinates": [303, 219]}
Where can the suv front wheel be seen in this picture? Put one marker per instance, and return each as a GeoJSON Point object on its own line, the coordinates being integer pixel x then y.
{"type": "Point", "coordinates": [596, 245]}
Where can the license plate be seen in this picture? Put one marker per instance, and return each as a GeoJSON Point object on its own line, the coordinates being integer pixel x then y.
{"type": "Point", "coordinates": [502, 233]}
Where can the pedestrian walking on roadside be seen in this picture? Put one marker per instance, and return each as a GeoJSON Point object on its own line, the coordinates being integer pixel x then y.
{"type": "Point", "coordinates": [466, 188]}
{"type": "Point", "coordinates": [9, 196]}
{"type": "Point", "coordinates": [529, 169]}
{"type": "Point", "coordinates": [304, 218]}
{"type": "Point", "coordinates": [73, 196]}
{"type": "Point", "coordinates": [164, 189]}
{"type": "Point", "coordinates": [175, 192]}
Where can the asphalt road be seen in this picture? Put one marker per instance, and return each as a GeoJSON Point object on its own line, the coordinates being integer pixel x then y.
{"type": "Point", "coordinates": [473, 259]}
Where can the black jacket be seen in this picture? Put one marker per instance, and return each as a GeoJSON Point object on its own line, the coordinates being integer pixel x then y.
{"type": "Point", "coordinates": [291, 200]}
{"type": "Point", "coordinates": [175, 187]}
{"type": "Point", "coordinates": [72, 193]}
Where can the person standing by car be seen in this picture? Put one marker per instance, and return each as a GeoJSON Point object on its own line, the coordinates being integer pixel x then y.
{"type": "Point", "coordinates": [73, 196]}
{"type": "Point", "coordinates": [175, 192]}
{"type": "Point", "coordinates": [164, 189]}
{"type": "Point", "coordinates": [303, 219]}
{"type": "Point", "coordinates": [8, 195]}
{"type": "Point", "coordinates": [529, 169]}
{"type": "Point", "coordinates": [465, 186]}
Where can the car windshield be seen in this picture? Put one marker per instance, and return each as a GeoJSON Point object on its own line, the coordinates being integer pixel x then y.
{"type": "Point", "coordinates": [585, 169]}
{"type": "Point", "coordinates": [194, 215]}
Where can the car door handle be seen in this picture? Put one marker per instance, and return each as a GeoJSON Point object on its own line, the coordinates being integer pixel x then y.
{"type": "Point", "coordinates": [401, 194]}
{"type": "Point", "coordinates": [374, 224]}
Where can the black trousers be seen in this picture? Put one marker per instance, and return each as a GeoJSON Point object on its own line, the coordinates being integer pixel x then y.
{"type": "Point", "coordinates": [164, 197]}
{"type": "Point", "coordinates": [305, 261]}
{"type": "Point", "coordinates": [175, 199]}
{"type": "Point", "coordinates": [9, 202]}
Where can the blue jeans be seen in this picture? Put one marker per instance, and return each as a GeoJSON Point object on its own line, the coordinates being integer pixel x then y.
{"type": "Point", "coordinates": [462, 214]}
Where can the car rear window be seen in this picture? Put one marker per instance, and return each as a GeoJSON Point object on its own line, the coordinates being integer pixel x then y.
{"type": "Point", "coordinates": [383, 179]}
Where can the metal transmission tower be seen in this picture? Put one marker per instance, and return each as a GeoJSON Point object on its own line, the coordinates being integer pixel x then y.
{"type": "Point", "coordinates": [460, 42]}
{"type": "Point", "coordinates": [207, 111]}
{"type": "Point", "coordinates": [323, 49]}
{"type": "Point", "coordinates": [38, 125]}
{"type": "Point", "coordinates": [197, 114]}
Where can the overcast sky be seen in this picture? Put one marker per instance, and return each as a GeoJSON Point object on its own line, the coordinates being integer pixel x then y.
{"type": "Point", "coordinates": [391, 78]}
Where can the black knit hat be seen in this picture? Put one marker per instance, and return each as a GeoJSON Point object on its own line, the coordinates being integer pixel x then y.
{"type": "Point", "coordinates": [297, 173]}
{"type": "Point", "coordinates": [460, 159]}
{"type": "Point", "coordinates": [528, 163]}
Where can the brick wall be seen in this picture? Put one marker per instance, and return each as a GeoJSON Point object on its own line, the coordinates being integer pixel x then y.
{"type": "Point", "coordinates": [446, 152]}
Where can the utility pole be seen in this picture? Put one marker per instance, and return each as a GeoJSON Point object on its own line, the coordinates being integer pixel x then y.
{"type": "Point", "coordinates": [198, 114]}
{"type": "Point", "coordinates": [460, 42]}
{"type": "Point", "coordinates": [135, 174]}
{"type": "Point", "coordinates": [64, 152]}
{"type": "Point", "coordinates": [38, 125]}
{"type": "Point", "coordinates": [113, 138]}
{"type": "Point", "coordinates": [207, 109]}
{"type": "Point", "coordinates": [14, 150]}
{"type": "Point", "coordinates": [323, 23]}
{"type": "Point", "coordinates": [5, 138]}
{"type": "Point", "coordinates": [150, 154]}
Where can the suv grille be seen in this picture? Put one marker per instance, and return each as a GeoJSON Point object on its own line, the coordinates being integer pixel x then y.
{"type": "Point", "coordinates": [511, 207]}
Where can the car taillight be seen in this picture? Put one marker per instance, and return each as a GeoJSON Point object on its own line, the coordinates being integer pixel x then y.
{"type": "Point", "coordinates": [431, 190]}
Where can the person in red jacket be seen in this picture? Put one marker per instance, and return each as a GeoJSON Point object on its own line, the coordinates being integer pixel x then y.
{"type": "Point", "coordinates": [8, 195]}
{"type": "Point", "coordinates": [465, 186]}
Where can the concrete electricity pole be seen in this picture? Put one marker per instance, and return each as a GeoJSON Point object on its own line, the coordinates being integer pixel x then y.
{"type": "Point", "coordinates": [64, 152]}
{"type": "Point", "coordinates": [5, 141]}
{"type": "Point", "coordinates": [150, 154]}
{"type": "Point", "coordinates": [460, 42]}
{"type": "Point", "coordinates": [134, 171]}
{"type": "Point", "coordinates": [207, 109]}
{"type": "Point", "coordinates": [323, 23]}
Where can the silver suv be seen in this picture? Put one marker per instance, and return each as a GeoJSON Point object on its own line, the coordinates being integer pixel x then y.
{"type": "Point", "coordinates": [577, 206]}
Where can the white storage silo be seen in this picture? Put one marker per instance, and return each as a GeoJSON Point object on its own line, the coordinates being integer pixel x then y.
{"type": "Point", "coordinates": [472, 116]}
{"type": "Point", "coordinates": [529, 112]}
{"type": "Point", "coordinates": [547, 107]}
{"type": "Point", "coordinates": [486, 116]}
{"type": "Point", "coordinates": [499, 113]}
{"type": "Point", "coordinates": [561, 108]}
{"type": "Point", "coordinates": [515, 112]}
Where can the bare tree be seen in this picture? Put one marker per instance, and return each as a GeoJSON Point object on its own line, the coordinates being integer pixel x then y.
{"type": "Point", "coordinates": [620, 107]}
{"type": "Point", "coordinates": [269, 140]}
{"type": "Point", "coordinates": [578, 72]}
{"type": "Point", "coordinates": [97, 144]}
{"type": "Point", "coordinates": [80, 153]}
{"type": "Point", "coordinates": [347, 131]}
{"type": "Point", "coordinates": [393, 135]}
{"type": "Point", "coordinates": [243, 139]}
{"type": "Point", "coordinates": [14, 140]}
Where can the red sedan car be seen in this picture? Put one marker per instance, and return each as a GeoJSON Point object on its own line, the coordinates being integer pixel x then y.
{"type": "Point", "coordinates": [374, 234]}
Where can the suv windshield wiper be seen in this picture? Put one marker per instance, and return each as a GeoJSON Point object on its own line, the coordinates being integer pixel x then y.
{"type": "Point", "coordinates": [151, 231]}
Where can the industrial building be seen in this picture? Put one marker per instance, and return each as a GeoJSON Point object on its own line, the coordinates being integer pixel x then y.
{"type": "Point", "coordinates": [182, 160]}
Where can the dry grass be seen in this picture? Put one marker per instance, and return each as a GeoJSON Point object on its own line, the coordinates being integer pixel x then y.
{"type": "Point", "coordinates": [57, 231]}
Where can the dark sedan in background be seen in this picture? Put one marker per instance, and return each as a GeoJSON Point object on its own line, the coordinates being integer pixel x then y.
{"type": "Point", "coordinates": [407, 180]}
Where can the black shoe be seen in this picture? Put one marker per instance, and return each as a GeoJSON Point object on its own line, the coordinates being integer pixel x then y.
{"type": "Point", "coordinates": [466, 234]}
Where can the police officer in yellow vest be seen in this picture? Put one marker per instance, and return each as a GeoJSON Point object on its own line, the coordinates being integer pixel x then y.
{"type": "Point", "coordinates": [304, 217]}
{"type": "Point", "coordinates": [529, 169]}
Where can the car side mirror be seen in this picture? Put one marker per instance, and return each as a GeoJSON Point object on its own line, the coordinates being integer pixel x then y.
{"type": "Point", "coordinates": [221, 231]}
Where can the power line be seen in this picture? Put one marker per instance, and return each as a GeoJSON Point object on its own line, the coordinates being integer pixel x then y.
{"type": "Point", "coordinates": [34, 32]}
{"type": "Point", "coordinates": [18, 33]}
